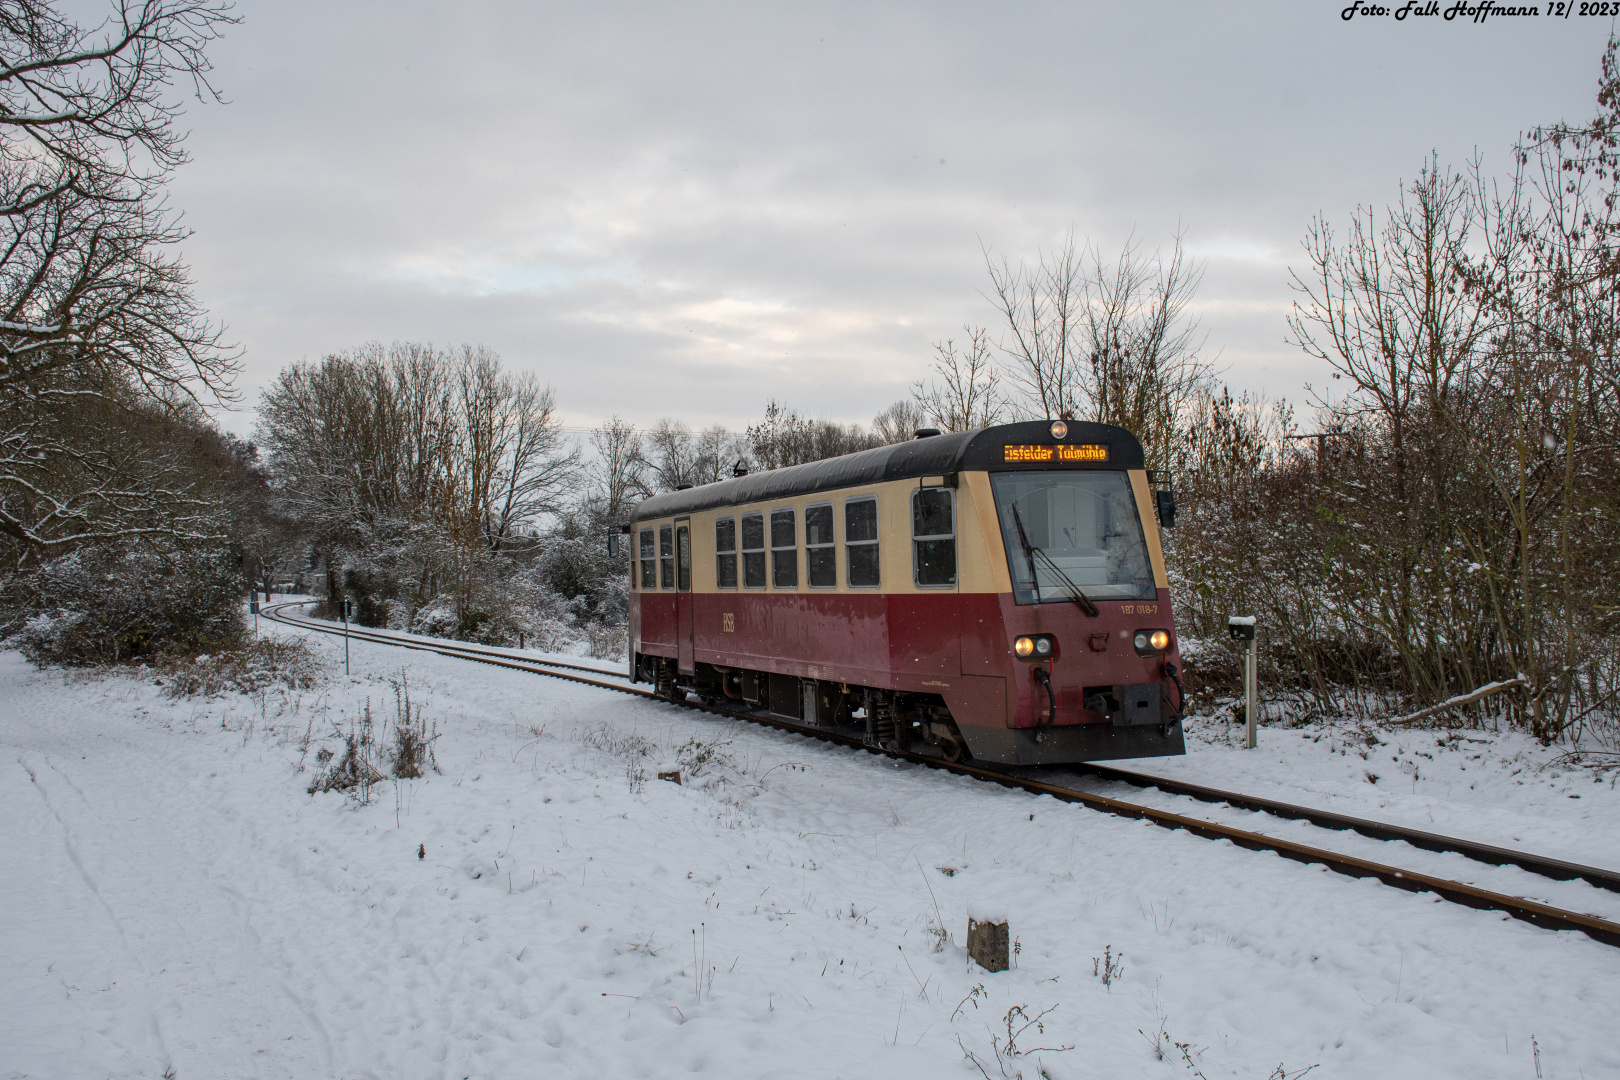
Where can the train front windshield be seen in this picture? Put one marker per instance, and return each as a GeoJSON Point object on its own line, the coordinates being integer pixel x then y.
{"type": "Point", "coordinates": [1082, 525]}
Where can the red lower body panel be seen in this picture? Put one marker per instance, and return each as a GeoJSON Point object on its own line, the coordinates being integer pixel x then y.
{"type": "Point", "coordinates": [956, 645]}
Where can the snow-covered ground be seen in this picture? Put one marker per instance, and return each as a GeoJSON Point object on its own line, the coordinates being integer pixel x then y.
{"type": "Point", "coordinates": [176, 901]}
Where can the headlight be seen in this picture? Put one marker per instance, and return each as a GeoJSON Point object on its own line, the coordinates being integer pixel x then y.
{"type": "Point", "coordinates": [1149, 642]}
{"type": "Point", "coordinates": [1035, 647]}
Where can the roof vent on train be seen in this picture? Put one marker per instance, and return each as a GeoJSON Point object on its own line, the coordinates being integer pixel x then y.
{"type": "Point", "coordinates": [927, 432]}
{"type": "Point", "coordinates": [682, 487]}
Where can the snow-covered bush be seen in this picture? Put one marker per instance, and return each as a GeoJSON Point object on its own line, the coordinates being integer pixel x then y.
{"type": "Point", "coordinates": [540, 611]}
{"type": "Point", "coordinates": [437, 618]}
{"type": "Point", "coordinates": [608, 641]}
{"type": "Point", "coordinates": [101, 605]}
{"type": "Point", "coordinates": [398, 615]}
{"type": "Point", "coordinates": [264, 663]}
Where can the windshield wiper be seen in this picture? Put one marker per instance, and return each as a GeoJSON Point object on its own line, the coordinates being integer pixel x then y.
{"type": "Point", "coordinates": [1030, 552]}
{"type": "Point", "coordinates": [1074, 590]}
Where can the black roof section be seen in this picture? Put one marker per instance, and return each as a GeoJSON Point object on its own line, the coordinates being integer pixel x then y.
{"type": "Point", "coordinates": [936, 455]}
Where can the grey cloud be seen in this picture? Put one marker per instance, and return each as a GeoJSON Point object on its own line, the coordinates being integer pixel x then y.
{"type": "Point", "coordinates": [684, 210]}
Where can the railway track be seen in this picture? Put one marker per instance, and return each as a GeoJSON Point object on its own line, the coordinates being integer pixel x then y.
{"type": "Point", "coordinates": [1556, 869]}
{"type": "Point", "coordinates": [1531, 911]}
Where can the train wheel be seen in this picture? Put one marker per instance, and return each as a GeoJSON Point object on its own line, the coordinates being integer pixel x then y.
{"type": "Point", "coordinates": [953, 750]}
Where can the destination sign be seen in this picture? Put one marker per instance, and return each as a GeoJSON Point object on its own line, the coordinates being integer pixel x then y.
{"type": "Point", "coordinates": [1058, 452]}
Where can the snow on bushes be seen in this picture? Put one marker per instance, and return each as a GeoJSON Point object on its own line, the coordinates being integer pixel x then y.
{"type": "Point", "coordinates": [263, 664]}
{"type": "Point", "coordinates": [101, 605]}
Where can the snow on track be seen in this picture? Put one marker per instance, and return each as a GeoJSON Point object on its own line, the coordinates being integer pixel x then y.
{"type": "Point", "coordinates": [175, 898]}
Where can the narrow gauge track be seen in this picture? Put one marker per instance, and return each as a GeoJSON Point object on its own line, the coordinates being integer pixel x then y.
{"type": "Point", "coordinates": [1557, 869]}
{"type": "Point", "coordinates": [1530, 911]}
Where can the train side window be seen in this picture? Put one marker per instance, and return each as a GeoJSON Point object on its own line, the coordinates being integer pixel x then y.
{"type": "Point", "coordinates": [753, 550]}
{"type": "Point", "coordinates": [725, 553]}
{"type": "Point", "coordinates": [683, 558]}
{"type": "Point", "coordinates": [666, 556]}
{"type": "Point", "coordinates": [784, 549]}
{"type": "Point", "coordinates": [861, 542]}
{"type": "Point", "coordinates": [820, 547]}
{"type": "Point", "coordinates": [649, 556]}
{"type": "Point", "coordinates": [933, 536]}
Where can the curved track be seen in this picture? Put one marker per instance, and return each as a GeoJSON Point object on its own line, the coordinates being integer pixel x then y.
{"type": "Point", "coordinates": [1531, 911]}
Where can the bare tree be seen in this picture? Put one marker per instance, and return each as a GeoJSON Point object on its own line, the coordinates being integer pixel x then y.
{"type": "Point", "coordinates": [1041, 306]}
{"type": "Point", "coordinates": [94, 304]}
{"type": "Point", "coordinates": [716, 453]}
{"type": "Point", "coordinates": [671, 454]}
{"type": "Point", "coordinates": [899, 422]}
{"type": "Point", "coordinates": [1385, 309]}
{"type": "Point", "coordinates": [1141, 348]}
{"type": "Point", "coordinates": [90, 111]}
{"type": "Point", "coordinates": [517, 463]}
{"type": "Point", "coordinates": [785, 438]}
{"type": "Point", "coordinates": [967, 394]}
{"type": "Point", "coordinates": [618, 468]}
{"type": "Point", "coordinates": [1110, 342]}
{"type": "Point", "coordinates": [426, 463]}
{"type": "Point", "coordinates": [1547, 272]}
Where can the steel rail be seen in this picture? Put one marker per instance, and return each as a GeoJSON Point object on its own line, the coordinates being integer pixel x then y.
{"type": "Point", "coordinates": [1557, 869]}
{"type": "Point", "coordinates": [1531, 911]}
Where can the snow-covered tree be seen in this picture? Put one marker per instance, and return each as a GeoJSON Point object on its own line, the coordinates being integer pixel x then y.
{"type": "Point", "coordinates": [96, 308]}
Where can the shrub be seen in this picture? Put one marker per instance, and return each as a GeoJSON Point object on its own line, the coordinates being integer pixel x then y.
{"type": "Point", "coordinates": [436, 618]}
{"type": "Point", "coordinates": [413, 735]}
{"type": "Point", "coordinates": [101, 605]}
{"type": "Point", "coordinates": [264, 663]}
{"type": "Point", "coordinates": [605, 642]}
{"type": "Point", "coordinates": [355, 770]}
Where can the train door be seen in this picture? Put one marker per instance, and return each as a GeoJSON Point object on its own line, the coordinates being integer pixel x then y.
{"type": "Point", "coordinates": [683, 595]}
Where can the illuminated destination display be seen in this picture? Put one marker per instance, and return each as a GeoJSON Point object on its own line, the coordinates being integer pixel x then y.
{"type": "Point", "coordinates": [1060, 452]}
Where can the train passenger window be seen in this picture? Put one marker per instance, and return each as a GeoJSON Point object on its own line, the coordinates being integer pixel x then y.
{"type": "Point", "coordinates": [725, 553]}
{"type": "Point", "coordinates": [784, 550]}
{"type": "Point", "coordinates": [820, 547]}
{"type": "Point", "coordinates": [648, 557]}
{"type": "Point", "coordinates": [933, 536]}
{"type": "Point", "coordinates": [753, 550]}
{"type": "Point", "coordinates": [666, 557]}
{"type": "Point", "coordinates": [683, 560]}
{"type": "Point", "coordinates": [861, 542]}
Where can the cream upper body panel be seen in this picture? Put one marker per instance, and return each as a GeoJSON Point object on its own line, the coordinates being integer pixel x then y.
{"type": "Point", "coordinates": [981, 567]}
{"type": "Point", "coordinates": [981, 561]}
{"type": "Point", "coordinates": [1150, 527]}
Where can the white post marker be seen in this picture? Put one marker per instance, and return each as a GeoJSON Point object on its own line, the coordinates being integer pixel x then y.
{"type": "Point", "coordinates": [346, 605]}
{"type": "Point", "coordinates": [1242, 628]}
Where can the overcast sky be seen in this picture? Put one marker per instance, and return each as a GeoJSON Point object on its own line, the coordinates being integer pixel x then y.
{"type": "Point", "coordinates": [686, 209]}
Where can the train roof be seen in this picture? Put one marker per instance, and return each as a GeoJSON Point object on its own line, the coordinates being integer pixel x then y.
{"type": "Point", "coordinates": [936, 455]}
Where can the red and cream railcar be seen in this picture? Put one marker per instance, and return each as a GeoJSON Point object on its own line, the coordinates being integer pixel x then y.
{"type": "Point", "coordinates": [997, 594]}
